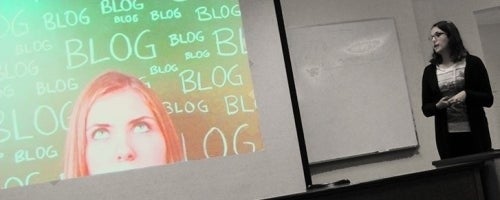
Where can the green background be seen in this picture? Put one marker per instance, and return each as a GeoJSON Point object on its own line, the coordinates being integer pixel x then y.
{"type": "Point", "coordinates": [33, 122]}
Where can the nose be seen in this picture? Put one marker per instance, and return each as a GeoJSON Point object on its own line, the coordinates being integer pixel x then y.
{"type": "Point", "coordinates": [125, 156]}
{"type": "Point", "coordinates": [435, 42]}
{"type": "Point", "coordinates": [124, 151]}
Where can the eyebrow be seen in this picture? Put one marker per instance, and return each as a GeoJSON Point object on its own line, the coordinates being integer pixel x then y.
{"type": "Point", "coordinates": [98, 125]}
{"type": "Point", "coordinates": [140, 119]}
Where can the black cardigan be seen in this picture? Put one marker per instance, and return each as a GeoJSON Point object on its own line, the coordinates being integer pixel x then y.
{"type": "Point", "coordinates": [478, 95]}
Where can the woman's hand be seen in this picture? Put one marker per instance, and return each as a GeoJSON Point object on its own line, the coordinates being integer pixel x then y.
{"type": "Point", "coordinates": [443, 103]}
{"type": "Point", "coordinates": [458, 98]}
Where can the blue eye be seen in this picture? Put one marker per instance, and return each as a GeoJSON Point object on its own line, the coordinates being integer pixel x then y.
{"type": "Point", "coordinates": [100, 134]}
{"type": "Point", "coordinates": [141, 128]}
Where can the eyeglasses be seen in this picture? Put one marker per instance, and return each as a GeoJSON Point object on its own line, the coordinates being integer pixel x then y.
{"type": "Point", "coordinates": [436, 35]}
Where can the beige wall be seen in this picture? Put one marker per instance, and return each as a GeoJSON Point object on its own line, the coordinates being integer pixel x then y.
{"type": "Point", "coordinates": [491, 47]}
{"type": "Point", "coordinates": [413, 20]}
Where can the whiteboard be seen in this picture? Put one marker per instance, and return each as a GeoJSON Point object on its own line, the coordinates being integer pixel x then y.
{"type": "Point", "coordinates": [351, 89]}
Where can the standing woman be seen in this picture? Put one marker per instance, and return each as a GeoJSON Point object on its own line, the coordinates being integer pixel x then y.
{"type": "Point", "coordinates": [455, 88]}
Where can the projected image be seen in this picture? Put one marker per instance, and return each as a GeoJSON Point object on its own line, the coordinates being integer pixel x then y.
{"type": "Point", "coordinates": [106, 86]}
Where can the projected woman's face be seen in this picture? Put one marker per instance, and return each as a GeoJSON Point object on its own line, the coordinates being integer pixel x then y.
{"type": "Point", "coordinates": [122, 134]}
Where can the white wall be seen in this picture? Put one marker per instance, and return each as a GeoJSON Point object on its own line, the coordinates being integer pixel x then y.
{"type": "Point", "coordinates": [413, 21]}
{"type": "Point", "coordinates": [491, 48]}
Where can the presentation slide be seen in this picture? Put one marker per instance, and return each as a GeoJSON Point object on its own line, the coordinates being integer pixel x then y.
{"type": "Point", "coordinates": [92, 87]}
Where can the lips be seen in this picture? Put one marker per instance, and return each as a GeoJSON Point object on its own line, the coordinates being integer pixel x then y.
{"type": "Point", "coordinates": [436, 46]}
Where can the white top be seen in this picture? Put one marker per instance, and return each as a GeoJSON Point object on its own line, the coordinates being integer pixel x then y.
{"type": "Point", "coordinates": [451, 81]}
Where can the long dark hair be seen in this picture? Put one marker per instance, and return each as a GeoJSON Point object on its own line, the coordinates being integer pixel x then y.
{"type": "Point", "coordinates": [455, 44]}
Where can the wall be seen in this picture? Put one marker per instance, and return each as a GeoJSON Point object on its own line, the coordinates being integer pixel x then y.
{"type": "Point", "coordinates": [413, 19]}
{"type": "Point", "coordinates": [491, 47]}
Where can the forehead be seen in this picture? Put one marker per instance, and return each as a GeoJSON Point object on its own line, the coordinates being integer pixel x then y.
{"type": "Point", "coordinates": [122, 104]}
{"type": "Point", "coordinates": [436, 29]}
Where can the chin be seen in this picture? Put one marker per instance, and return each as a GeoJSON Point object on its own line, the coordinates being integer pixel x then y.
{"type": "Point", "coordinates": [118, 168]}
